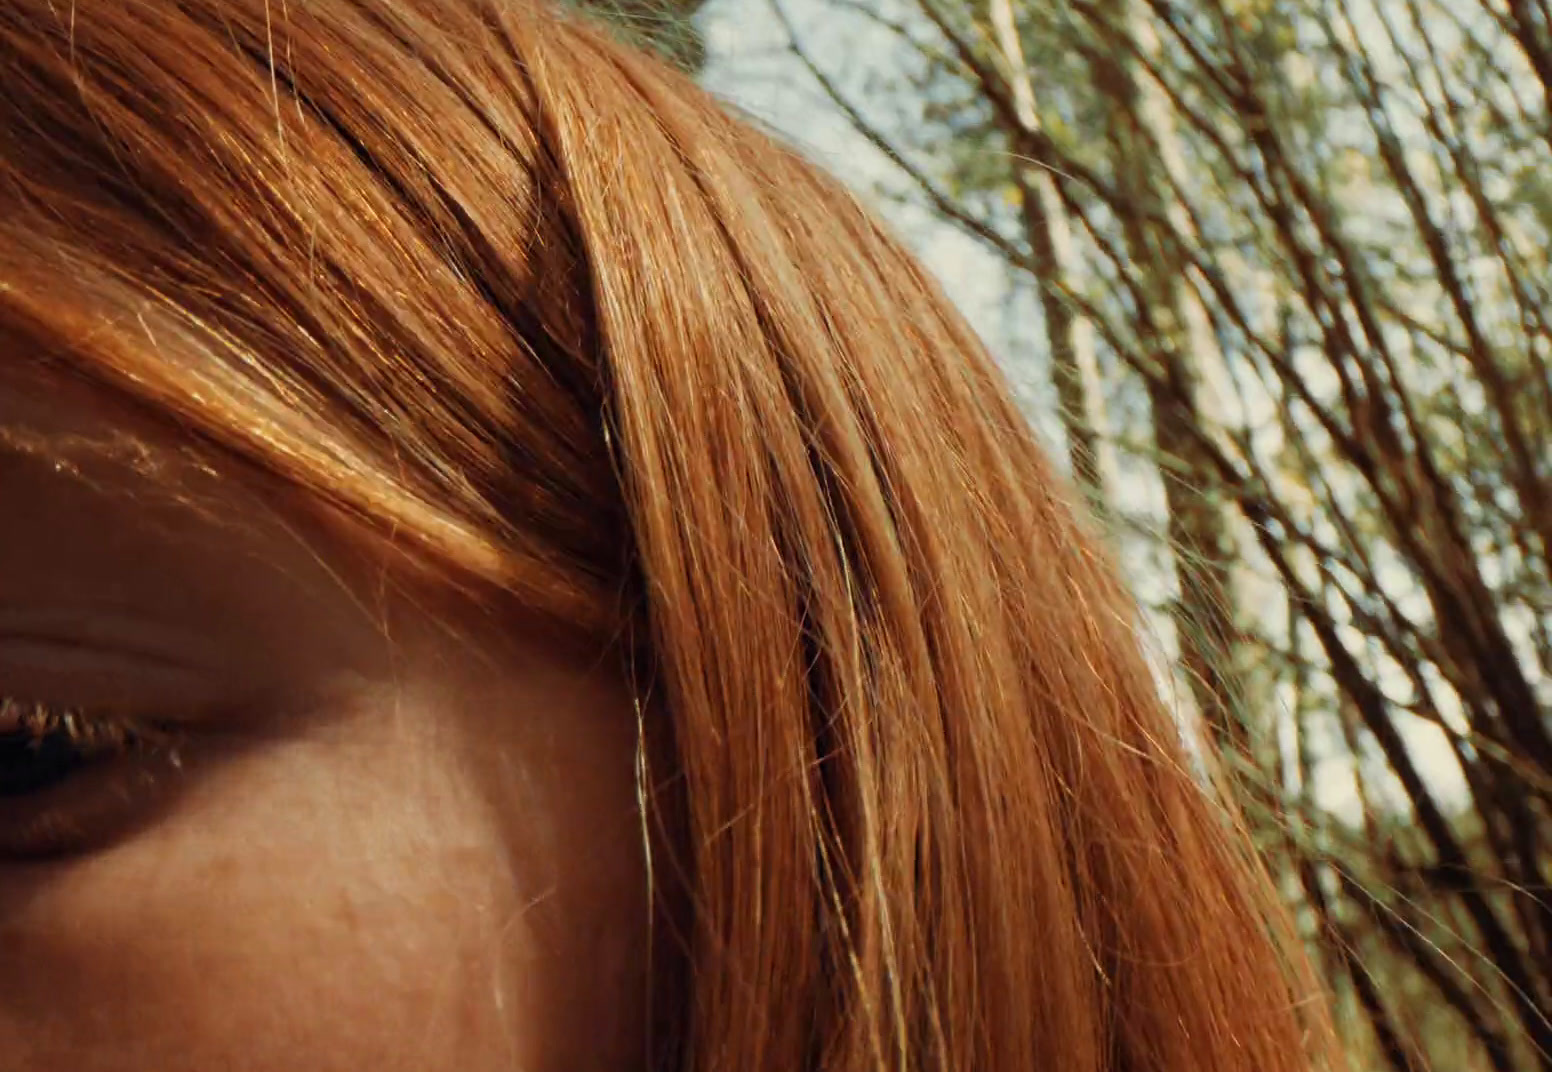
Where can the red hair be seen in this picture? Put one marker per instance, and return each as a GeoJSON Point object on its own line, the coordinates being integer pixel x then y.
{"type": "Point", "coordinates": [476, 277]}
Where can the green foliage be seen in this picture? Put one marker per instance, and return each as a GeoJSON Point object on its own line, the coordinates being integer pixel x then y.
{"type": "Point", "coordinates": [666, 27]}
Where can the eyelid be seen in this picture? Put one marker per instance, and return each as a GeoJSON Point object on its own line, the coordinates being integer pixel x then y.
{"type": "Point", "coordinates": [103, 627]}
{"type": "Point", "coordinates": [128, 684]}
{"type": "Point", "coordinates": [111, 794]}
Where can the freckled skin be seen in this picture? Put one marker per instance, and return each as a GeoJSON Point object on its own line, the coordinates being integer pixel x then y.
{"type": "Point", "coordinates": [429, 860]}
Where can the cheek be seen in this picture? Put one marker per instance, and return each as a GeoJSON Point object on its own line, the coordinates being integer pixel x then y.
{"type": "Point", "coordinates": [313, 976]}
{"type": "Point", "coordinates": [286, 917]}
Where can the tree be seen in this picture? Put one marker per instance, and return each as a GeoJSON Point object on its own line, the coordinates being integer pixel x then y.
{"type": "Point", "coordinates": [1309, 238]}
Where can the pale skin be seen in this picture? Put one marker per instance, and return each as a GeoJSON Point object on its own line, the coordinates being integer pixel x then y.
{"type": "Point", "coordinates": [392, 836]}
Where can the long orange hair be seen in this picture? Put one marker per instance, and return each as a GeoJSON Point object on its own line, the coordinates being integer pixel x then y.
{"type": "Point", "coordinates": [533, 308]}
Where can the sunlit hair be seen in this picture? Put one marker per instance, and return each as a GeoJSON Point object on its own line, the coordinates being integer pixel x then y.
{"type": "Point", "coordinates": [535, 310]}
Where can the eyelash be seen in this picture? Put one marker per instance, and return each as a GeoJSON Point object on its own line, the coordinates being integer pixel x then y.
{"type": "Point", "coordinates": [69, 777]}
{"type": "Point", "coordinates": [39, 720]}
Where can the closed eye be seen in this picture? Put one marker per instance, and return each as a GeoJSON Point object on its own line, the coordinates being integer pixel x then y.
{"type": "Point", "coordinates": [70, 778]}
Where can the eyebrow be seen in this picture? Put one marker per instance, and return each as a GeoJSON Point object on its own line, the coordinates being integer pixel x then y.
{"type": "Point", "coordinates": [68, 451]}
{"type": "Point", "coordinates": [115, 470]}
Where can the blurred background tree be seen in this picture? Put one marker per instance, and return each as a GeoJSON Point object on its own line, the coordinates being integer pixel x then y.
{"type": "Point", "coordinates": [1283, 267]}
{"type": "Point", "coordinates": [666, 27]}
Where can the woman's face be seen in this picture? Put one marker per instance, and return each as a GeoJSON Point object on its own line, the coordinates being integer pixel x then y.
{"type": "Point", "coordinates": [371, 838]}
